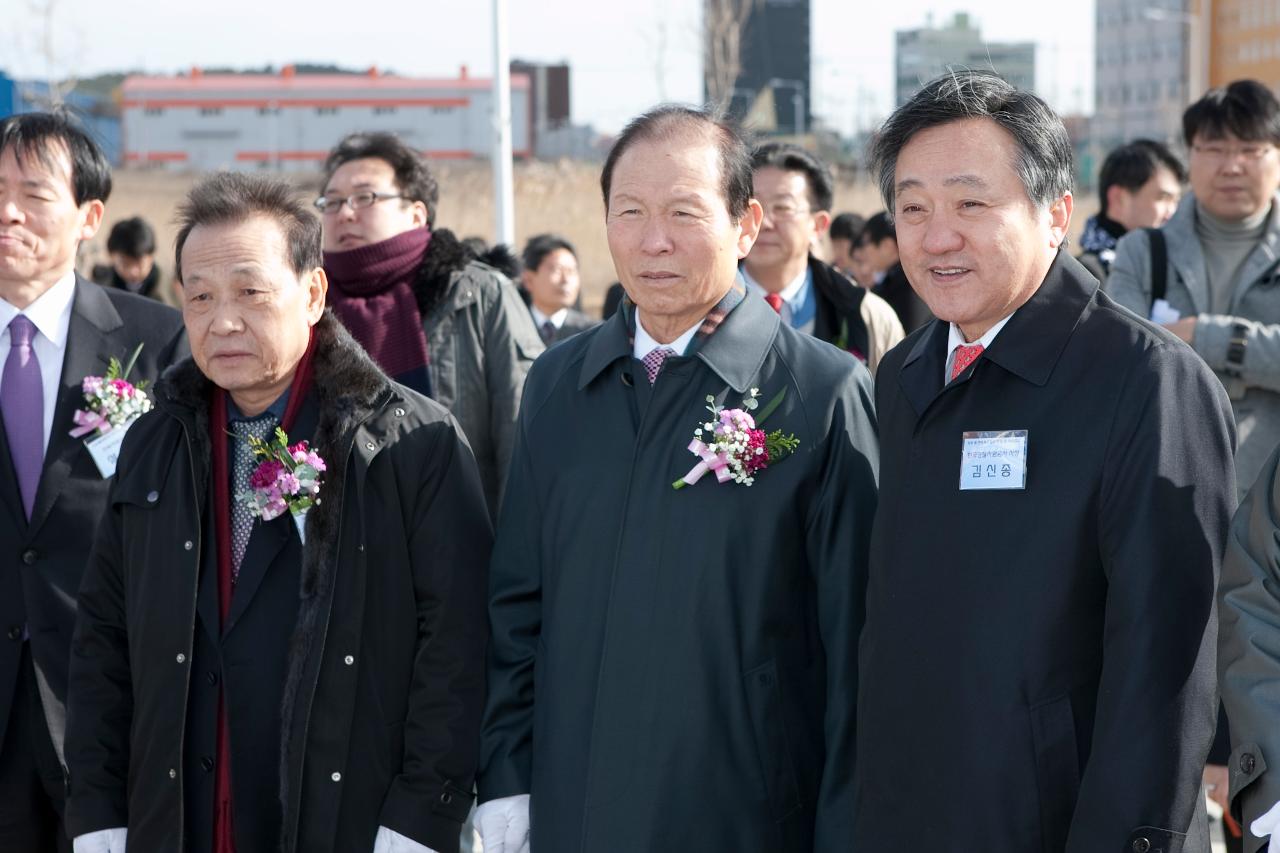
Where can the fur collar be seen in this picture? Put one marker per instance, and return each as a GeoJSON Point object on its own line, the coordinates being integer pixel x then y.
{"type": "Point", "coordinates": [445, 255]}
{"type": "Point", "coordinates": [348, 389]}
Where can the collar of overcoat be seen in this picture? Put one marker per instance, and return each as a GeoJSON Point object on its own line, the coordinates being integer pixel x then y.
{"type": "Point", "coordinates": [735, 351]}
{"type": "Point", "coordinates": [1029, 346]}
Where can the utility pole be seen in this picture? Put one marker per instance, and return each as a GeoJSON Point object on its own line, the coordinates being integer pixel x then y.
{"type": "Point", "coordinates": [503, 179]}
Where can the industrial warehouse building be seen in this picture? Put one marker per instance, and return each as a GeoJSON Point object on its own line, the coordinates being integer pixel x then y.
{"type": "Point", "coordinates": [290, 121]}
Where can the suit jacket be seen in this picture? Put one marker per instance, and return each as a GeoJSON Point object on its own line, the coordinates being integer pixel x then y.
{"type": "Point", "coordinates": [674, 670]}
{"type": "Point", "coordinates": [1037, 666]}
{"type": "Point", "coordinates": [44, 559]}
{"type": "Point", "coordinates": [575, 321]}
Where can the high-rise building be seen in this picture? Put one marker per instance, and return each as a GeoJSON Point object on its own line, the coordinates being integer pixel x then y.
{"type": "Point", "coordinates": [773, 58]}
{"type": "Point", "coordinates": [1245, 42]}
{"type": "Point", "coordinates": [929, 52]}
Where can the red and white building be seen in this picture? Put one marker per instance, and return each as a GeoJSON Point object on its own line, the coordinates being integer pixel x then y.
{"type": "Point", "coordinates": [289, 121]}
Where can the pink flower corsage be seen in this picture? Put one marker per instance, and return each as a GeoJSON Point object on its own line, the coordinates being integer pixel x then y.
{"type": "Point", "coordinates": [288, 478]}
{"type": "Point", "coordinates": [733, 446]}
{"type": "Point", "coordinates": [111, 401]}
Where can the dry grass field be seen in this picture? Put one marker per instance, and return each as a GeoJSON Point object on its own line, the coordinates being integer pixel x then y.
{"type": "Point", "coordinates": [563, 197]}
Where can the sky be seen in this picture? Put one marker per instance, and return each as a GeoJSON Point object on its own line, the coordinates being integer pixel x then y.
{"type": "Point", "coordinates": [624, 57]}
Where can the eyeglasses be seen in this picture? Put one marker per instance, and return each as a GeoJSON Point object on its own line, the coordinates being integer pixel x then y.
{"type": "Point", "coordinates": [358, 201]}
{"type": "Point", "coordinates": [1219, 152]}
{"type": "Point", "coordinates": [784, 211]}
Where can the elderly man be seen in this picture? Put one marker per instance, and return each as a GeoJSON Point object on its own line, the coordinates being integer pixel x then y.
{"type": "Point", "coordinates": [56, 329]}
{"type": "Point", "coordinates": [306, 666]}
{"type": "Point", "coordinates": [1036, 670]}
{"type": "Point", "coordinates": [672, 656]}
{"type": "Point", "coordinates": [429, 313]}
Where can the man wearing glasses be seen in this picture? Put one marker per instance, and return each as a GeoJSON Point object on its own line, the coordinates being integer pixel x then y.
{"type": "Point", "coordinates": [431, 314]}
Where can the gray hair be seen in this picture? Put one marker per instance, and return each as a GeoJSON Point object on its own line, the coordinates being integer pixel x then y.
{"type": "Point", "coordinates": [1044, 161]}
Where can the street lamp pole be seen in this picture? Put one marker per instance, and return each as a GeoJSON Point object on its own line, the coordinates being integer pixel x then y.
{"type": "Point", "coordinates": [503, 177]}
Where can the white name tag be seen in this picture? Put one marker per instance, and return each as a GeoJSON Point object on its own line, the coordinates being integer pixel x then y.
{"type": "Point", "coordinates": [300, 519]}
{"type": "Point", "coordinates": [105, 450]}
{"type": "Point", "coordinates": [1162, 312]}
{"type": "Point", "coordinates": [994, 460]}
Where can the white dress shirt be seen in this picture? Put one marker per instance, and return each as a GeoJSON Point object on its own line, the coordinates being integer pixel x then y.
{"type": "Point", "coordinates": [794, 295]}
{"type": "Point", "coordinates": [645, 344]}
{"type": "Point", "coordinates": [955, 340]}
{"type": "Point", "coordinates": [51, 315]}
{"type": "Point", "coordinates": [557, 319]}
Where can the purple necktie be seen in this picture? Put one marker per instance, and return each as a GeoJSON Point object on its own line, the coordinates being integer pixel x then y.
{"type": "Point", "coordinates": [22, 404]}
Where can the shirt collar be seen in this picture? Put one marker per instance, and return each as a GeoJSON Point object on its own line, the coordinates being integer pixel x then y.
{"type": "Point", "coordinates": [645, 344]}
{"type": "Point", "coordinates": [557, 319]}
{"type": "Point", "coordinates": [794, 294]}
{"type": "Point", "coordinates": [955, 338]}
{"type": "Point", "coordinates": [50, 313]}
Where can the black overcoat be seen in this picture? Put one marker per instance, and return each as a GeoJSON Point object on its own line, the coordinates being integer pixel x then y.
{"type": "Point", "coordinates": [383, 691]}
{"type": "Point", "coordinates": [674, 670]}
{"type": "Point", "coordinates": [1037, 667]}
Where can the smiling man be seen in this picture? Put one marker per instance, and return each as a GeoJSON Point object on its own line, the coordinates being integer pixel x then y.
{"type": "Point", "coordinates": [301, 682]}
{"type": "Point", "coordinates": [673, 668]}
{"type": "Point", "coordinates": [1036, 673]}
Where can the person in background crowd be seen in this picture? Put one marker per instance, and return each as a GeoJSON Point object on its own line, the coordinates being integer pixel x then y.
{"type": "Point", "coordinates": [1036, 668]}
{"type": "Point", "coordinates": [56, 329]}
{"type": "Point", "coordinates": [795, 189]}
{"type": "Point", "coordinates": [843, 233]}
{"type": "Point", "coordinates": [875, 256]}
{"type": "Point", "coordinates": [550, 277]}
{"type": "Point", "coordinates": [612, 300]}
{"type": "Point", "coordinates": [131, 245]}
{"type": "Point", "coordinates": [431, 315]}
{"type": "Point", "coordinates": [694, 647]}
{"type": "Point", "coordinates": [1138, 187]}
{"type": "Point", "coordinates": [498, 256]}
{"type": "Point", "coordinates": [251, 681]}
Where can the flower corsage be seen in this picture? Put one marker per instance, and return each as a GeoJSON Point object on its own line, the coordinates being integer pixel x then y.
{"type": "Point", "coordinates": [733, 446]}
{"type": "Point", "coordinates": [111, 400]}
{"type": "Point", "coordinates": [288, 478]}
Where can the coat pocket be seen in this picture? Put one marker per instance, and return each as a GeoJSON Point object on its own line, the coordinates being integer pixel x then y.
{"type": "Point", "coordinates": [777, 765]}
{"type": "Point", "coordinates": [1053, 732]}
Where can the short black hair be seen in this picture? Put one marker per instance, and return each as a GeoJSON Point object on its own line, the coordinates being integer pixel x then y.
{"type": "Point", "coordinates": [793, 158]}
{"type": "Point", "coordinates": [1044, 162]}
{"type": "Point", "coordinates": [847, 226]}
{"type": "Point", "coordinates": [1246, 109]}
{"type": "Point", "coordinates": [413, 178]}
{"type": "Point", "coordinates": [39, 135]}
{"type": "Point", "coordinates": [669, 120]}
{"type": "Point", "coordinates": [1130, 166]}
{"type": "Point", "coordinates": [537, 249]}
{"type": "Point", "coordinates": [234, 197]}
{"type": "Point", "coordinates": [132, 238]}
{"type": "Point", "coordinates": [878, 229]}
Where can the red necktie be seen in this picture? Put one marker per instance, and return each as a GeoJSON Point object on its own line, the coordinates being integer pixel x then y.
{"type": "Point", "coordinates": [775, 301]}
{"type": "Point", "coordinates": [965, 356]}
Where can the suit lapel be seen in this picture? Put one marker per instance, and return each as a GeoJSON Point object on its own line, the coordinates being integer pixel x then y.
{"type": "Point", "coordinates": [9, 494]}
{"type": "Point", "coordinates": [265, 543]}
{"type": "Point", "coordinates": [921, 375]}
{"type": "Point", "coordinates": [90, 346]}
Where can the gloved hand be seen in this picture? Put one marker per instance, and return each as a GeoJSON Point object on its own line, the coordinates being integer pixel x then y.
{"type": "Point", "coordinates": [390, 841]}
{"type": "Point", "coordinates": [102, 841]}
{"type": "Point", "coordinates": [504, 824]}
{"type": "Point", "coordinates": [1267, 824]}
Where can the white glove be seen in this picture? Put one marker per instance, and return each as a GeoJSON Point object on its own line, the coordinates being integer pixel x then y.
{"type": "Point", "coordinates": [504, 824]}
{"type": "Point", "coordinates": [390, 841]}
{"type": "Point", "coordinates": [102, 841]}
{"type": "Point", "coordinates": [1265, 825]}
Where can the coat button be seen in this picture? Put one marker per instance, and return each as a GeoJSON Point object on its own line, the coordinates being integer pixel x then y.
{"type": "Point", "coordinates": [212, 677]}
{"type": "Point", "coordinates": [29, 557]}
{"type": "Point", "coordinates": [181, 658]}
{"type": "Point", "coordinates": [1247, 763]}
{"type": "Point", "coordinates": [188, 545]}
{"type": "Point", "coordinates": [1141, 845]}
{"type": "Point", "coordinates": [173, 774]}
{"type": "Point", "coordinates": [348, 660]}
{"type": "Point", "coordinates": [369, 445]}
{"type": "Point", "coordinates": [337, 777]}
{"type": "Point", "coordinates": [14, 632]}
{"type": "Point", "coordinates": [207, 764]}
{"type": "Point", "coordinates": [399, 413]}
{"type": "Point", "coordinates": [153, 496]}
{"type": "Point", "coordinates": [446, 798]}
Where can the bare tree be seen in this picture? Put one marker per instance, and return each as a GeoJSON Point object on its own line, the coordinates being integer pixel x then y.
{"type": "Point", "coordinates": [723, 22]}
{"type": "Point", "coordinates": [59, 80]}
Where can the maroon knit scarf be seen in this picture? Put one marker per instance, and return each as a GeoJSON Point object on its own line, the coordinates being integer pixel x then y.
{"type": "Point", "coordinates": [372, 294]}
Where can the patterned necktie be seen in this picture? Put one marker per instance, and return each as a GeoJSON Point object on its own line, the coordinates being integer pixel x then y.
{"type": "Point", "coordinates": [243, 466]}
{"type": "Point", "coordinates": [654, 360]}
{"type": "Point", "coordinates": [775, 301]}
{"type": "Point", "coordinates": [22, 405]}
{"type": "Point", "coordinates": [548, 332]}
{"type": "Point", "coordinates": [965, 356]}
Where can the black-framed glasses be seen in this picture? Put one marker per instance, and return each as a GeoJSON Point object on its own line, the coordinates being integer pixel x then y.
{"type": "Point", "coordinates": [358, 201]}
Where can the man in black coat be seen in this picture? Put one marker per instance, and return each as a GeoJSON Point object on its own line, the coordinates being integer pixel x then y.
{"type": "Point", "coordinates": [796, 191]}
{"type": "Point", "coordinates": [673, 668]}
{"type": "Point", "coordinates": [304, 681]}
{"type": "Point", "coordinates": [1037, 666]}
{"type": "Point", "coordinates": [59, 328]}
{"type": "Point", "coordinates": [875, 255]}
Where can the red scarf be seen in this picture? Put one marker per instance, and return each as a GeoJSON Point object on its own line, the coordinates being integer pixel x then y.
{"type": "Point", "coordinates": [223, 825]}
